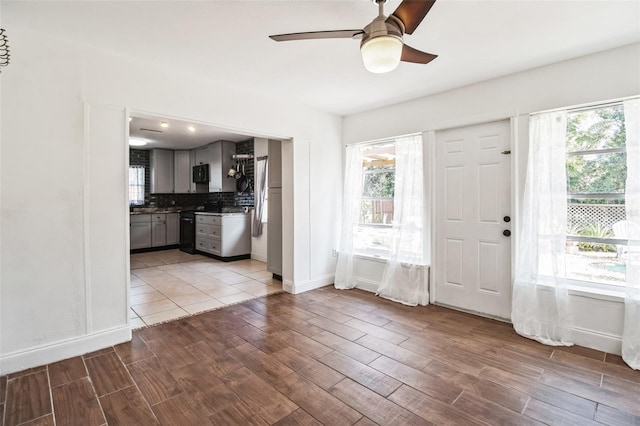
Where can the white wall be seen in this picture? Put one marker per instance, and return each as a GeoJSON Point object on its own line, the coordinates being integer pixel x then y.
{"type": "Point", "coordinates": [259, 244]}
{"type": "Point", "coordinates": [64, 243]}
{"type": "Point", "coordinates": [603, 76]}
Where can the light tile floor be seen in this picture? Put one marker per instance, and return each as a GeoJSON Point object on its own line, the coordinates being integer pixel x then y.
{"type": "Point", "coordinates": [170, 284]}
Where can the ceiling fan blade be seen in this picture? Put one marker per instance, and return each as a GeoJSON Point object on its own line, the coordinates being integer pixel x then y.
{"type": "Point", "coordinates": [412, 12]}
{"type": "Point", "coordinates": [317, 35]}
{"type": "Point", "coordinates": [409, 54]}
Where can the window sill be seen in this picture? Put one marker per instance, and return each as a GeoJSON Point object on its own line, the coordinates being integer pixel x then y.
{"type": "Point", "coordinates": [579, 288]}
{"type": "Point", "coordinates": [371, 257]}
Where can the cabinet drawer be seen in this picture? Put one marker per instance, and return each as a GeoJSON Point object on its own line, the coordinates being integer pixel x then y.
{"type": "Point", "coordinates": [158, 217]}
{"type": "Point", "coordinates": [140, 218]}
{"type": "Point", "coordinates": [208, 245]}
{"type": "Point", "coordinates": [210, 231]}
{"type": "Point", "coordinates": [208, 220]}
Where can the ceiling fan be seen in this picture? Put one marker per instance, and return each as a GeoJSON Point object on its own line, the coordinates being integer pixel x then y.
{"type": "Point", "coordinates": [381, 46]}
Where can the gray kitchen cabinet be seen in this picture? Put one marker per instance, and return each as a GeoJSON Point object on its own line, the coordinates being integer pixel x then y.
{"type": "Point", "coordinates": [173, 228]}
{"type": "Point", "coordinates": [182, 172]}
{"type": "Point", "coordinates": [275, 164]}
{"type": "Point", "coordinates": [218, 155]}
{"type": "Point", "coordinates": [158, 230]}
{"type": "Point", "coordinates": [224, 235]}
{"type": "Point", "coordinates": [274, 235]}
{"type": "Point", "coordinates": [221, 153]}
{"type": "Point", "coordinates": [140, 231]}
{"type": "Point", "coordinates": [192, 162]}
{"type": "Point", "coordinates": [202, 155]}
{"type": "Point", "coordinates": [161, 171]}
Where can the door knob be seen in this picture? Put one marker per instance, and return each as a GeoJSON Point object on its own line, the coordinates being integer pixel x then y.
{"type": "Point", "coordinates": [506, 219]}
{"type": "Point", "coordinates": [506, 233]}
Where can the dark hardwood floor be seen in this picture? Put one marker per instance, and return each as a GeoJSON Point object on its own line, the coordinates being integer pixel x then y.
{"type": "Point", "coordinates": [327, 357]}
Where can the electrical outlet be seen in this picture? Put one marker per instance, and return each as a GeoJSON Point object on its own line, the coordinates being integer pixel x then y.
{"type": "Point", "coordinates": [334, 253]}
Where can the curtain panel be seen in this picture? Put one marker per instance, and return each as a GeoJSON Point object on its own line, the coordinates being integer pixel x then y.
{"type": "Point", "coordinates": [631, 331]}
{"type": "Point", "coordinates": [352, 195]}
{"type": "Point", "coordinates": [540, 308]}
{"type": "Point", "coordinates": [404, 278]}
{"type": "Point", "coordinates": [260, 193]}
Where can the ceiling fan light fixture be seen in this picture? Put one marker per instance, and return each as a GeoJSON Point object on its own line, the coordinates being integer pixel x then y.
{"type": "Point", "coordinates": [381, 54]}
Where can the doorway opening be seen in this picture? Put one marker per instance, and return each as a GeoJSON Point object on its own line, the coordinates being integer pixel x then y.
{"type": "Point", "coordinates": [191, 242]}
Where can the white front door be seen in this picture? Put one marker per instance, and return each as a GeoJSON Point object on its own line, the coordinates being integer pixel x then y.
{"type": "Point", "coordinates": [473, 203]}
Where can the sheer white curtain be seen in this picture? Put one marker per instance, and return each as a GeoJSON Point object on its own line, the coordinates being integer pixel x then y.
{"type": "Point", "coordinates": [541, 308]}
{"type": "Point", "coordinates": [260, 193]}
{"type": "Point", "coordinates": [631, 332]}
{"type": "Point", "coordinates": [352, 196]}
{"type": "Point", "coordinates": [404, 276]}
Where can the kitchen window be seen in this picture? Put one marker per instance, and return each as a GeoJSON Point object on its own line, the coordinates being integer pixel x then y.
{"type": "Point", "coordinates": [136, 185]}
{"type": "Point", "coordinates": [596, 163]}
{"type": "Point", "coordinates": [373, 235]}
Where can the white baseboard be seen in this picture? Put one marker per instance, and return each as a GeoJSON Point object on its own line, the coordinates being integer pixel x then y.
{"type": "Point", "coordinates": [63, 349]}
{"type": "Point", "coordinates": [259, 258]}
{"type": "Point", "coordinates": [301, 287]}
{"type": "Point", "coordinates": [367, 285]}
{"type": "Point", "coordinates": [597, 340]}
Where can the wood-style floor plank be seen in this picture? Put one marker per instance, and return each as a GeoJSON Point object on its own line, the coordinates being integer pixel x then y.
{"type": "Point", "coordinates": [298, 417]}
{"type": "Point", "coordinates": [76, 403]}
{"type": "Point", "coordinates": [107, 373]}
{"type": "Point", "coordinates": [127, 407]}
{"type": "Point", "coordinates": [178, 410]}
{"type": "Point", "coordinates": [327, 357]}
{"type": "Point", "coordinates": [27, 397]}
{"type": "Point", "coordinates": [360, 373]}
{"type": "Point", "coordinates": [308, 367]}
{"type": "Point", "coordinates": [374, 406]}
{"type": "Point", "coordinates": [261, 397]}
{"type": "Point", "coordinates": [551, 415]}
{"type": "Point", "coordinates": [431, 409]}
{"type": "Point", "coordinates": [67, 371]}
{"type": "Point", "coordinates": [323, 406]}
{"type": "Point", "coordinates": [490, 412]}
{"type": "Point", "coordinates": [153, 380]}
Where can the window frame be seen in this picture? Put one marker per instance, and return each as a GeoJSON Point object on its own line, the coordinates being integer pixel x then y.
{"type": "Point", "coordinates": [140, 170]}
{"type": "Point", "coordinates": [598, 285]}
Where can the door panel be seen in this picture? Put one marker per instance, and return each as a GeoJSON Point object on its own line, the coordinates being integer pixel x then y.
{"type": "Point", "coordinates": [473, 189]}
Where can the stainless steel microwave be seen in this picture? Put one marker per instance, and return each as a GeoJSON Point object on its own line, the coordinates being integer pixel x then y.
{"type": "Point", "coordinates": [201, 174]}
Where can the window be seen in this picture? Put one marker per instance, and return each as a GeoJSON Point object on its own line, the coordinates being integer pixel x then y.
{"type": "Point", "coordinates": [376, 208]}
{"type": "Point", "coordinates": [596, 176]}
{"type": "Point", "coordinates": [136, 185]}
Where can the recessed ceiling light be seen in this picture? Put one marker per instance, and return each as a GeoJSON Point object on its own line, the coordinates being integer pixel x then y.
{"type": "Point", "coordinates": [191, 128]}
{"type": "Point", "coordinates": [164, 124]}
{"type": "Point", "coordinates": [137, 142]}
{"type": "Point", "coordinates": [129, 119]}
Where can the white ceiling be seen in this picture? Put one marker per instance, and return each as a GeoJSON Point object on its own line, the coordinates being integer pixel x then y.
{"type": "Point", "coordinates": [177, 135]}
{"type": "Point", "coordinates": [227, 41]}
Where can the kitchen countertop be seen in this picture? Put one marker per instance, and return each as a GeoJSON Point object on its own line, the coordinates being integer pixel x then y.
{"type": "Point", "coordinates": [160, 210]}
{"type": "Point", "coordinates": [220, 214]}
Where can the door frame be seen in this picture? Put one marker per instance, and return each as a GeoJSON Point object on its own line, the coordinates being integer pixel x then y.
{"type": "Point", "coordinates": [514, 118]}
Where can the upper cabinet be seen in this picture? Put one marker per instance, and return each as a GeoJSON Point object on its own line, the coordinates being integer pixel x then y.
{"type": "Point", "coordinates": [162, 171]}
{"type": "Point", "coordinates": [221, 153]}
{"type": "Point", "coordinates": [182, 171]}
{"type": "Point", "coordinates": [171, 171]}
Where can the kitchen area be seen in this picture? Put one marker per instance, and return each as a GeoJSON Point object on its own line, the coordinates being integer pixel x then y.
{"type": "Point", "coordinates": [200, 198]}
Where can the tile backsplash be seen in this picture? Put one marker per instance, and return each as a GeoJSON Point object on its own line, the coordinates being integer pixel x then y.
{"type": "Point", "coordinates": [140, 157]}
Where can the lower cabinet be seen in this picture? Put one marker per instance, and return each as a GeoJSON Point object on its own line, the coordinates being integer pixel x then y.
{"type": "Point", "coordinates": [224, 235]}
{"type": "Point", "coordinates": [154, 230]}
{"type": "Point", "coordinates": [140, 231]}
{"type": "Point", "coordinates": [158, 230]}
